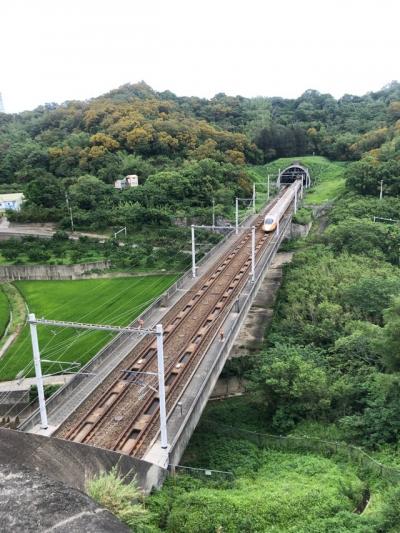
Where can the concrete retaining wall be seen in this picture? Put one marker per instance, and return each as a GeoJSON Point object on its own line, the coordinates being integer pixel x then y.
{"type": "Point", "coordinates": [53, 272]}
{"type": "Point", "coordinates": [13, 402]}
{"type": "Point", "coordinates": [228, 387]}
{"type": "Point", "coordinates": [70, 462]}
{"type": "Point", "coordinates": [299, 230]}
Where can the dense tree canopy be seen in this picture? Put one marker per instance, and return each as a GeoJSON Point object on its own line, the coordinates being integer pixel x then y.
{"type": "Point", "coordinates": [160, 136]}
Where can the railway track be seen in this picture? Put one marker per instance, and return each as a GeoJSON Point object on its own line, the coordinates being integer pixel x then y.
{"type": "Point", "coordinates": [122, 414]}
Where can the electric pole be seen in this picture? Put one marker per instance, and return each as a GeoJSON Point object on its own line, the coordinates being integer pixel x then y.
{"type": "Point", "coordinates": [70, 212]}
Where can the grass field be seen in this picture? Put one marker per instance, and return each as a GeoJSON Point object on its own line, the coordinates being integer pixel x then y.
{"type": "Point", "coordinates": [4, 312]}
{"type": "Point", "coordinates": [110, 301]}
{"type": "Point", "coordinates": [327, 176]}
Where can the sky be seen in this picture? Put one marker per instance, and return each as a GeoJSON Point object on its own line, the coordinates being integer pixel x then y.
{"type": "Point", "coordinates": [57, 50]}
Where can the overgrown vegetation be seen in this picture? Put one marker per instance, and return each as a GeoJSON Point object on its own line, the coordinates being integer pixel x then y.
{"type": "Point", "coordinates": [122, 498]}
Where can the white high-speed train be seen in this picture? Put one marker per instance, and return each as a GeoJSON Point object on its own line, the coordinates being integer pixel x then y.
{"type": "Point", "coordinates": [276, 213]}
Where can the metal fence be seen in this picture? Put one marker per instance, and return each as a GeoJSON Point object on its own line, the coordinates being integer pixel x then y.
{"type": "Point", "coordinates": [295, 443]}
{"type": "Point", "coordinates": [205, 474]}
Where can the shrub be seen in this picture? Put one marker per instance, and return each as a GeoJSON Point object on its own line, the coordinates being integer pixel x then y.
{"type": "Point", "coordinates": [121, 498]}
{"type": "Point", "coordinates": [303, 216]}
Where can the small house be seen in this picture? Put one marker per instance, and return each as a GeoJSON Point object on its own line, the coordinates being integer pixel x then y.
{"type": "Point", "coordinates": [12, 201]}
{"type": "Point", "coordinates": [129, 181]}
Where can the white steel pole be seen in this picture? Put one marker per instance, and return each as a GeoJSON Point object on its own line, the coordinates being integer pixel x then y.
{"type": "Point", "coordinates": [237, 217]}
{"type": "Point", "coordinates": [213, 213]}
{"type": "Point", "coordinates": [381, 193]}
{"type": "Point", "coordinates": [277, 228]}
{"type": "Point", "coordinates": [38, 371]}
{"type": "Point", "coordinates": [253, 254]}
{"type": "Point", "coordinates": [268, 189]}
{"type": "Point", "coordinates": [254, 198]}
{"type": "Point", "coordinates": [193, 254]}
{"type": "Point", "coordinates": [161, 386]}
{"type": "Point", "coordinates": [70, 213]}
{"type": "Point", "coordinates": [279, 178]}
{"type": "Point", "coordinates": [302, 188]}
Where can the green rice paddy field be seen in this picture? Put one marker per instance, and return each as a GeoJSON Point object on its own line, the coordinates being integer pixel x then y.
{"type": "Point", "coordinates": [115, 301]}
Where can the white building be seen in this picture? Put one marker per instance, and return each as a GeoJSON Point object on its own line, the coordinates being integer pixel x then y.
{"type": "Point", "coordinates": [11, 201]}
{"type": "Point", "coordinates": [129, 181]}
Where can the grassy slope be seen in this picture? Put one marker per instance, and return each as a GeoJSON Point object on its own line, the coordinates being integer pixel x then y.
{"type": "Point", "coordinates": [4, 312]}
{"type": "Point", "coordinates": [114, 301]}
{"type": "Point", "coordinates": [274, 490]}
{"type": "Point", "coordinates": [327, 176]}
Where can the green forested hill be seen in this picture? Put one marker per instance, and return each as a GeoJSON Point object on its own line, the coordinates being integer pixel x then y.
{"type": "Point", "coordinates": [185, 150]}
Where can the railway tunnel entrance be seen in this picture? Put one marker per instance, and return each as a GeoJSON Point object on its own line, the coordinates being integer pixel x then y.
{"type": "Point", "coordinates": [293, 172]}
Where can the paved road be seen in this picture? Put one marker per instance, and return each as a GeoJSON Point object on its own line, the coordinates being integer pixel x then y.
{"type": "Point", "coordinates": [10, 229]}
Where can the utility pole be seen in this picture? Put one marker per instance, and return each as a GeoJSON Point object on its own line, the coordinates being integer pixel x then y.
{"type": "Point", "coordinates": [158, 331]}
{"type": "Point", "coordinates": [70, 212]}
{"type": "Point", "coordinates": [38, 371]}
{"type": "Point", "coordinates": [193, 254]}
{"type": "Point", "coordinates": [253, 254]}
{"type": "Point", "coordinates": [381, 192]}
{"type": "Point", "coordinates": [237, 217]}
{"type": "Point", "coordinates": [268, 188]}
{"type": "Point", "coordinates": [161, 385]}
{"type": "Point", "coordinates": [254, 198]}
{"type": "Point", "coordinates": [213, 213]}
{"type": "Point", "coordinates": [279, 178]}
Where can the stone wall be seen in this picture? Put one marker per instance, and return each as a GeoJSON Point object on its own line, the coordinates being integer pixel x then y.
{"type": "Point", "coordinates": [53, 272]}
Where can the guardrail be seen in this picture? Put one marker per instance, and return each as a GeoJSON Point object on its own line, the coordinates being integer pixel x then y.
{"type": "Point", "coordinates": [203, 473]}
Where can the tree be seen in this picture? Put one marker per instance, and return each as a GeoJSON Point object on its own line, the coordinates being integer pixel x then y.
{"type": "Point", "coordinates": [45, 191]}
{"type": "Point", "coordinates": [90, 193]}
{"type": "Point", "coordinates": [292, 385]}
{"type": "Point", "coordinates": [390, 339]}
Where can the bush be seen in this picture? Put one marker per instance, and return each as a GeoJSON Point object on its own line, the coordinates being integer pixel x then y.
{"type": "Point", "coordinates": [303, 216]}
{"type": "Point", "coordinates": [123, 499]}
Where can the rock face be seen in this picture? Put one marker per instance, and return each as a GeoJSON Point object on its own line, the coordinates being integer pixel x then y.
{"type": "Point", "coordinates": [30, 502]}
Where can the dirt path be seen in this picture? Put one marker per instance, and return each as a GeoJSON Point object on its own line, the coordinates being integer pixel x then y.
{"type": "Point", "coordinates": [18, 313]}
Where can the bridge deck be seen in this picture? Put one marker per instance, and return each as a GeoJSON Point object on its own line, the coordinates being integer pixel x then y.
{"type": "Point", "coordinates": [110, 413]}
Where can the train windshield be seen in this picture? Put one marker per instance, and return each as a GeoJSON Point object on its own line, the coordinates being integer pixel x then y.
{"type": "Point", "coordinates": [269, 221]}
